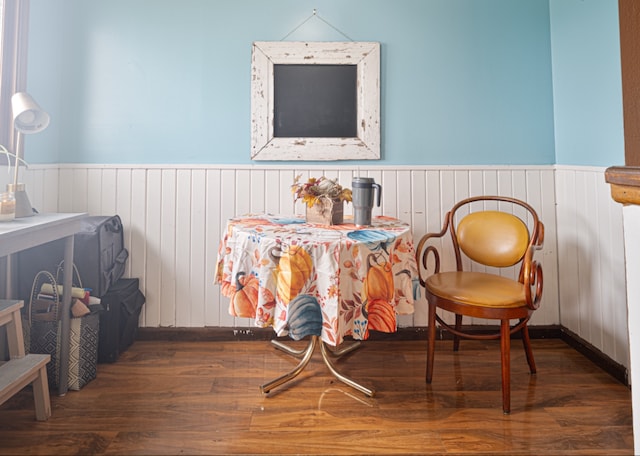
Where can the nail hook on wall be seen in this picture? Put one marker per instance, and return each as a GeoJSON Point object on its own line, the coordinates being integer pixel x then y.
{"type": "Point", "coordinates": [316, 15]}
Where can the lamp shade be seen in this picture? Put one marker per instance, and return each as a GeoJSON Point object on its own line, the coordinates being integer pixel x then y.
{"type": "Point", "coordinates": [28, 116]}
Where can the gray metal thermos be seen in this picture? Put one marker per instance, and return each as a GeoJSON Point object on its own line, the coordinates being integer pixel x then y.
{"type": "Point", "coordinates": [363, 189]}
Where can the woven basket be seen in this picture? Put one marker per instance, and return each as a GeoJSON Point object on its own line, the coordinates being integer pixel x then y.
{"type": "Point", "coordinates": [42, 331]}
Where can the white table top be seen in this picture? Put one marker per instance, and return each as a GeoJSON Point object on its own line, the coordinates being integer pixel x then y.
{"type": "Point", "coordinates": [26, 232]}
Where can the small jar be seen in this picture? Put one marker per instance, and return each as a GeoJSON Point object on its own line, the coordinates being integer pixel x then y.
{"type": "Point", "coordinates": [7, 206]}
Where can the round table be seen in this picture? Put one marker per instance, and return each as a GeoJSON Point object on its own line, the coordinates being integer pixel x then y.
{"type": "Point", "coordinates": [322, 281]}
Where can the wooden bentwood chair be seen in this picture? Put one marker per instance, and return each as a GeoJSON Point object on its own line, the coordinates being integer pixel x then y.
{"type": "Point", "coordinates": [489, 234]}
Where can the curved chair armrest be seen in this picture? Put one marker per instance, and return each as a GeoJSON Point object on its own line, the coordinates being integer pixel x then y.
{"type": "Point", "coordinates": [532, 270]}
{"type": "Point", "coordinates": [538, 242]}
{"type": "Point", "coordinates": [422, 257]}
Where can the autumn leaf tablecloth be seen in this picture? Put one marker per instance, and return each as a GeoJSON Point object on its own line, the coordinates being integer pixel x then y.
{"type": "Point", "coordinates": [304, 279]}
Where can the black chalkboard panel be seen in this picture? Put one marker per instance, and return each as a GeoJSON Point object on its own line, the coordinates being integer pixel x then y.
{"type": "Point", "coordinates": [315, 101]}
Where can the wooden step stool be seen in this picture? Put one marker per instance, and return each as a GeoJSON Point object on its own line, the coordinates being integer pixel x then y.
{"type": "Point", "coordinates": [22, 370]}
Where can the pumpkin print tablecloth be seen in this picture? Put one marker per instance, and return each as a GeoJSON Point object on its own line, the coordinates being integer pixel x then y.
{"type": "Point", "coordinates": [305, 279]}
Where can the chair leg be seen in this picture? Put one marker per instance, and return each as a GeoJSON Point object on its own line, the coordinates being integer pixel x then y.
{"type": "Point", "coordinates": [505, 349]}
{"type": "Point", "coordinates": [526, 341]}
{"type": "Point", "coordinates": [431, 341]}
{"type": "Point", "coordinates": [456, 338]}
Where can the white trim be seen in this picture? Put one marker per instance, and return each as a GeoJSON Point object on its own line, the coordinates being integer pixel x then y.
{"type": "Point", "coordinates": [581, 168]}
{"type": "Point", "coordinates": [283, 167]}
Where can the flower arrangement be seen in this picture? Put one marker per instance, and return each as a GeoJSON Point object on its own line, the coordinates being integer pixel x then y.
{"type": "Point", "coordinates": [319, 190]}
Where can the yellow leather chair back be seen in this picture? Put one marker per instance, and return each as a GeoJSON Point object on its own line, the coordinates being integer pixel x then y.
{"type": "Point", "coordinates": [493, 238]}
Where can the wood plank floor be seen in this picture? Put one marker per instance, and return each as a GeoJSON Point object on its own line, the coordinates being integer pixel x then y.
{"type": "Point", "coordinates": [164, 397]}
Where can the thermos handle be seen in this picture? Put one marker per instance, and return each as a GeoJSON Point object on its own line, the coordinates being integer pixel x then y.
{"type": "Point", "coordinates": [378, 188]}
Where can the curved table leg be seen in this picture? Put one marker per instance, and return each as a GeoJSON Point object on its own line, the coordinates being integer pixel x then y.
{"type": "Point", "coordinates": [293, 373]}
{"type": "Point", "coordinates": [288, 350]}
{"type": "Point", "coordinates": [348, 348]}
{"type": "Point", "coordinates": [343, 378]}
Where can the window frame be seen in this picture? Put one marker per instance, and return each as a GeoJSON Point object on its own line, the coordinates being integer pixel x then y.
{"type": "Point", "coordinates": [14, 24]}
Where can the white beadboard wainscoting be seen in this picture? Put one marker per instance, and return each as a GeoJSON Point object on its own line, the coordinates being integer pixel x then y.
{"type": "Point", "coordinates": [174, 217]}
{"type": "Point", "coordinates": [591, 264]}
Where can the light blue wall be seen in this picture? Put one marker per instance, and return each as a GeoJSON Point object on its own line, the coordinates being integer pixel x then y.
{"type": "Point", "coordinates": [587, 87]}
{"type": "Point", "coordinates": [161, 81]}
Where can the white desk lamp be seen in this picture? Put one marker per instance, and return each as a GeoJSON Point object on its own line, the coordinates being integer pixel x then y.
{"type": "Point", "coordinates": [28, 118]}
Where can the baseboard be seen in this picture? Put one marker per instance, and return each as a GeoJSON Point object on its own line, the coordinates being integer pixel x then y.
{"type": "Point", "coordinates": [231, 334]}
{"type": "Point", "coordinates": [616, 370]}
{"type": "Point", "coordinates": [211, 334]}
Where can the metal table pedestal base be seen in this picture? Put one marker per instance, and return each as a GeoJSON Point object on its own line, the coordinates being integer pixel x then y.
{"type": "Point", "coordinates": [306, 354]}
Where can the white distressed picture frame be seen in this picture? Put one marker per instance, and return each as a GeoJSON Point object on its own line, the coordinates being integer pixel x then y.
{"type": "Point", "coordinates": [266, 54]}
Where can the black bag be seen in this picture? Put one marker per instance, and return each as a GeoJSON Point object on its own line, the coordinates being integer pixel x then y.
{"type": "Point", "coordinates": [98, 253]}
{"type": "Point", "coordinates": [119, 319]}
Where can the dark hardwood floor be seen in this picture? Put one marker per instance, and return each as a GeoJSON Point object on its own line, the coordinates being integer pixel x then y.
{"type": "Point", "coordinates": [166, 397]}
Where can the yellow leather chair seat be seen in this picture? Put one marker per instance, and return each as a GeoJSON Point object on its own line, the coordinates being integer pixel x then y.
{"type": "Point", "coordinates": [477, 288]}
